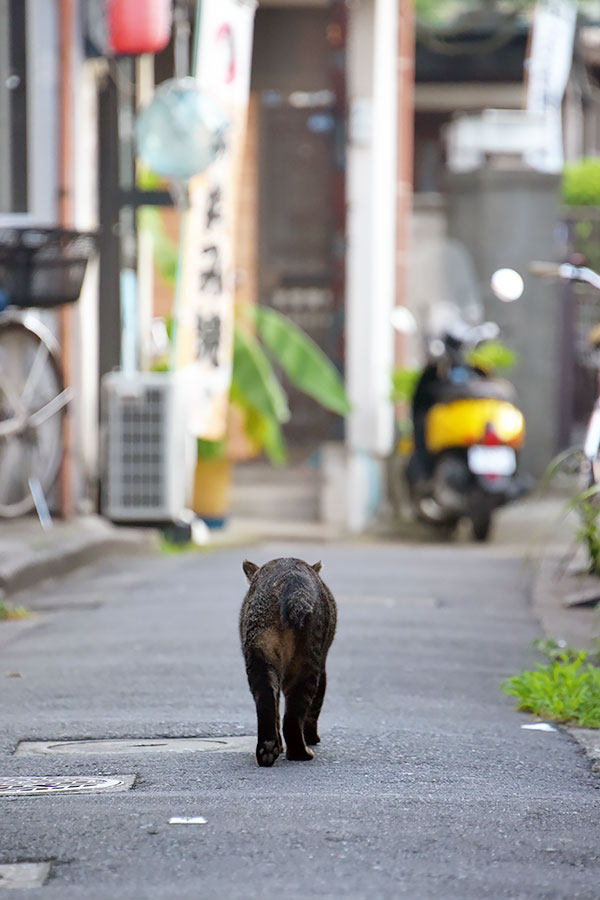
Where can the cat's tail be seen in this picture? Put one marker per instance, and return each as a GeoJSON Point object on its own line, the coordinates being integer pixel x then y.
{"type": "Point", "coordinates": [298, 598]}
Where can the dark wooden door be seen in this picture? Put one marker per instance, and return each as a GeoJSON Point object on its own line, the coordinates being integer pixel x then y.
{"type": "Point", "coordinates": [299, 77]}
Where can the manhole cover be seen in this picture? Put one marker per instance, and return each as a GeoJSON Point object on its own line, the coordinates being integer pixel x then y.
{"type": "Point", "coordinates": [24, 875]}
{"type": "Point", "coordinates": [129, 746]}
{"type": "Point", "coordinates": [30, 786]}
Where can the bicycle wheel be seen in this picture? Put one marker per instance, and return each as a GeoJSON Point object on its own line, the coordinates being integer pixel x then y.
{"type": "Point", "coordinates": [32, 404]}
{"type": "Point", "coordinates": [590, 465]}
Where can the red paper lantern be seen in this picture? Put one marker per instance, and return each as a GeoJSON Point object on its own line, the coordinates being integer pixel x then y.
{"type": "Point", "coordinates": [139, 26]}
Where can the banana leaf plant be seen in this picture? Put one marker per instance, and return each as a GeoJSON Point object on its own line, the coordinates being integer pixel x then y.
{"type": "Point", "coordinates": [258, 392]}
{"type": "Point", "coordinates": [262, 338]}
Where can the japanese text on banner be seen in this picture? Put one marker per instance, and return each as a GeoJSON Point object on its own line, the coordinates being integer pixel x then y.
{"type": "Point", "coordinates": [205, 320]}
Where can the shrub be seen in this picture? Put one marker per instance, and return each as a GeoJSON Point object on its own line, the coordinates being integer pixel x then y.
{"type": "Point", "coordinates": [581, 182]}
{"type": "Point", "coordinates": [567, 690]}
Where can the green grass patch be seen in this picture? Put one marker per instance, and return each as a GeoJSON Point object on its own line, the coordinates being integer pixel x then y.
{"type": "Point", "coordinates": [171, 548]}
{"type": "Point", "coordinates": [12, 612]}
{"type": "Point", "coordinates": [565, 690]}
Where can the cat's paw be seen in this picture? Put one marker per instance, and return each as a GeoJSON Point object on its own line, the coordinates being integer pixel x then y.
{"type": "Point", "coordinates": [267, 752]}
{"type": "Point", "coordinates": [311, 736]}
{"type": "Point", "coordinates": [299, 753]}
{"type": "Point", "coordinates": [280, 742]}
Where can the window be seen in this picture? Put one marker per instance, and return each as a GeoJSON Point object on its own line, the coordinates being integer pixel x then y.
{"type": "Point", "coordinates": [28, 111]}
{"type": "Point", "coordinates": [13, 108]}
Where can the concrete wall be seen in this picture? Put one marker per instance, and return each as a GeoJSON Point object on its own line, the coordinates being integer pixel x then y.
{"type": "Point", "coordinates": [507, 217]}
{"type": "Point", "coordinates": [425, 280]}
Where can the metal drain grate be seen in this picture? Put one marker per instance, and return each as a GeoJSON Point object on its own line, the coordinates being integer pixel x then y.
{"type": "Point", "coordinates": [24, 875]}
{"type": "Point", "coordinates": [129, 746]}
{"type": "Point", "coordinates": [37, 786]}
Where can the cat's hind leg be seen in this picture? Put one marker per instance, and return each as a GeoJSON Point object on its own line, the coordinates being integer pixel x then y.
{"type": "Point", "coordinates": [264, 684]}
{"type": "Point", "coordinates": [311, 733]}
{"type": "Point", "coordinates": [298, 698]}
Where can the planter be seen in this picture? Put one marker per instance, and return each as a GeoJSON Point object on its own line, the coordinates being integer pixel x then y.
{"type": "Point", "coordinates": [212, 488]}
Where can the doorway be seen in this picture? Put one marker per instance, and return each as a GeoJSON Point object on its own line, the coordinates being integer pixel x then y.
{"type": "Point", "coordinates": [298, 82]}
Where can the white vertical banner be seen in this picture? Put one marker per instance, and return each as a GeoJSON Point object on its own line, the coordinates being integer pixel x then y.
{"type": "Point", "coordinates": [548, 68]}
{"type": "Point", "coordinates": [204, 343]}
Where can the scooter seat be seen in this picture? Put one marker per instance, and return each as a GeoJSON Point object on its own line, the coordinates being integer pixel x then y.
{"type": "Point", "coordinates": [484, 389]}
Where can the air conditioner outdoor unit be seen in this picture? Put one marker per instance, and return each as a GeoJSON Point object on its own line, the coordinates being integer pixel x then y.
{"type": "Point", "coordinates": [146, 459]}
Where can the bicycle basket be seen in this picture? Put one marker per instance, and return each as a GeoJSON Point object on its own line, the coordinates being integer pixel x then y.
{"type": "Point", "coordinates": [43, 266]}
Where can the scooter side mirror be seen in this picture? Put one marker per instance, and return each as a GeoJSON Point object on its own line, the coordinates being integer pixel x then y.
{"type": "Point", "coordinates": [403, 320]}
{"type": "Point", "coordinates": [488, 331]}
{"type": "Point", "coordinates": [507, 285]}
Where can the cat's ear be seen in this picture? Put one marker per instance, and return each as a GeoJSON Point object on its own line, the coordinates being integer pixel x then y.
{"type": "Point", "coordinates": [250, 569]}
{"type": "Point", "coordinates": [317, 566]}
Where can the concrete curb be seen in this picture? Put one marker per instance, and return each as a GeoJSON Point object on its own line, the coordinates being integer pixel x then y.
{"type": "Point", "coordinates": [589, 740]}
{"type": "Point", "coordinates": [72, 548]}
{"type": "Point", "coordinates": [553, 581]}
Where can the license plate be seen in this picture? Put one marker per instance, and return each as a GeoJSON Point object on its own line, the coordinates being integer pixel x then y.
{"type": "Point", "coordinates": [492, 460]}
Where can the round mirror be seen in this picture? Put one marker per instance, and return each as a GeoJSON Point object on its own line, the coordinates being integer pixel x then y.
{"type": "Point", "coordinates": [507, 285]}
{"type": "Point", "coordinates": [403, 320]}
{"type": "Point", "coordinates": [181, 131]}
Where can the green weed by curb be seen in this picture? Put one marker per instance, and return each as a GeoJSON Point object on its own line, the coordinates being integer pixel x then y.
{"type": "Point", "coordinates": [567, 690]}
{"type": "Point", "coordinates": [12, 612]}
{"type": "Point", "coordinates": [171, 548]}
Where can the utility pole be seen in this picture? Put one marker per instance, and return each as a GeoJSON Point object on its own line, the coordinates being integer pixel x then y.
{"type": "Point", "coordinates": [66, 214]}
{"type": "Point", "coordinates": [379, 179]}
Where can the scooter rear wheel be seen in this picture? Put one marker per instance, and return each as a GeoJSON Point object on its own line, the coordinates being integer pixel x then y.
{"type": "Point", "coordinates": [481, 524]}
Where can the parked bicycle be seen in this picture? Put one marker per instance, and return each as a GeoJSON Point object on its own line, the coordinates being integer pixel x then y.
{"type": "Point", "coordinates": [590, 466]}
{"type": "Point", "coordinates": [40, 268]}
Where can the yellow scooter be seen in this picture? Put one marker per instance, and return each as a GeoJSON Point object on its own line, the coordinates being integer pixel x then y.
{"type": "Point", "coordinates": [467, 431]}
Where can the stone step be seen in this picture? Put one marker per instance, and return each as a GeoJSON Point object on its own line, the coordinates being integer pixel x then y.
{"type": "Point", "coordinates": [265, 492]}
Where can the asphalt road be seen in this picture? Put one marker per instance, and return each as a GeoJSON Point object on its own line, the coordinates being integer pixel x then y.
{"type": "Point", "coordinates": [425, 784]}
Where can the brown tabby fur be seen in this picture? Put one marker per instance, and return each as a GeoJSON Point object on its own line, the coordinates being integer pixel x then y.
{"type": "Point", "coordinates": [287, 624]}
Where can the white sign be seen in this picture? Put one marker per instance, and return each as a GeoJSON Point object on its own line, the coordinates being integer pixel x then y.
{"type": "Point", "coordinates": [548, 68]}
{"type": "Point", "coordinates": [224, 54]}
{"type": "Point", "coordinates": [205, 319]}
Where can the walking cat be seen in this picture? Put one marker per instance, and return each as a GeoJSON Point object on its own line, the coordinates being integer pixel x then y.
{"type": "Point", "coordinates": [287, 623]}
